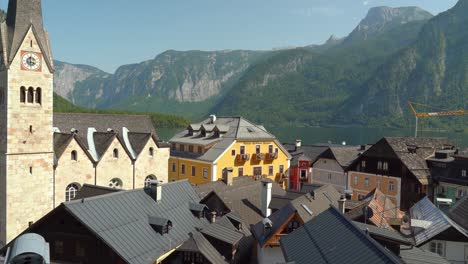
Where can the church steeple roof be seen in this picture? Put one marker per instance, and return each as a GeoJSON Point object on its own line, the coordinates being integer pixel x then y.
{"type": "Point", "coordinates": [21, 16]}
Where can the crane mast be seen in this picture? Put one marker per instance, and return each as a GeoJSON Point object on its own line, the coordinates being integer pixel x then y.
{"type": "Point", "coordinates": [432, 114]}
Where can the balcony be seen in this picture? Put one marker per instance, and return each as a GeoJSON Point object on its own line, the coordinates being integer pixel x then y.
{"type": "Point", "coordinates": [272, 156]}
{"type": "Point", "coordinates": [259, 156]}
{"type": "Point", "coordinates": [243, 157]}
{"type": "Point", "coordinates": [275, 241]}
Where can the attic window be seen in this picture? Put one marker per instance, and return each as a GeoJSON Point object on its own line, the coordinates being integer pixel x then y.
{"type": "Point", "coordinates": [151, 152]}
{"type": "Point", "coordinates": [197, 209]}
{"type": "Point", "coordinates": [203, 132]}
{"type": "Point", "coordinates": [74, 155]}
{"type": "Point", "coordinates": [116, 153]}
{"type": "Point", "coordinates": [267, 225]}
{"type": "Point", "coordinates": [160, 225]}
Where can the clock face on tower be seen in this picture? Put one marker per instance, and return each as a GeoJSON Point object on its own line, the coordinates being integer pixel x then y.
{"type": "Point", "coordinates": [31, 61]}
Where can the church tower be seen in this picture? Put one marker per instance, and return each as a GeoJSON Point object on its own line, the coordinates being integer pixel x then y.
{"type": "Point", "coordinates": [26, 109]}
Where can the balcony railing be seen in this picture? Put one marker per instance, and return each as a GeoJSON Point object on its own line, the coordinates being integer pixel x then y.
{"type": "Point", "coordinates": [272, 156]}
{"type": "Point", "coordinates": [259, 156]}
{"type": "Point", "coordinates": [243, 157]}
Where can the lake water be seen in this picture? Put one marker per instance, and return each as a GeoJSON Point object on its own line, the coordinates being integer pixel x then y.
{"type": "Point", "coordinates": [350, 135]}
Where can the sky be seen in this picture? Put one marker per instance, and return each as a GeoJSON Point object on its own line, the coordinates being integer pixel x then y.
{"type": "Point", "coordinates": [111, 33]}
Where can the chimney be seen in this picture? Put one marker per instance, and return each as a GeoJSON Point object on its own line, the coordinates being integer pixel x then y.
{"type": "Point", "coordinates": [213, 217]}
{"type": "Point", "coordinates": [266, 197]}
{"type": "Point", "coordinates": [212, 119]}
{"type": "Point", "coordinates": [227, 176]}
{"type": "Point", "coordinates": [154, 190]}
{"type": "Point", "coordinates": [341, 204]}
{"type": "Point", "coordinates": [298, 144]}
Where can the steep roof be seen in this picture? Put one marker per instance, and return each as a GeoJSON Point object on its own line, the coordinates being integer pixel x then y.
{"type": "Point", "coordinates": [381, 209]}
{"type": "Point", "coordinates": [223, 233]}
{"type": "Point", "coordinates": [437, 222]}
{"type": "Point", "coordinates": [243, 196]}
{"type": "Point", "coordinates": [344, 155]}
{"type": "Point", "coordinates": [331, 238]}
{"type": "Point", "coordinates": [21, 16]}
{"type": "Point", "coordinates": [413, 152]}
{"type": "Point", "coordinates": [459, 212]}
{"type": "Point", "coordinates": [61, 141]}
{"type": "Point", "coordinates": [231, 129]}
{"type": "Point", "coordinates": [384, 233]}
{"type": "Point", "coordinates": [102, 141]}
{"type": "Point", "coordinates": [304, 208]}
{"type": "Point", "coordinates": [138, 141]}
{"type": "Point", "coordinates": [198, 243]}
{"type": "Point", "coordinates": [102, 122]}
{"type": "Point", "coordinates": [120, 220]}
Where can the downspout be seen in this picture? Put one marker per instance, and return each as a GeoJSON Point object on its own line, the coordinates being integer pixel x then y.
{"type": "Point", "coordinates": [133, 164]}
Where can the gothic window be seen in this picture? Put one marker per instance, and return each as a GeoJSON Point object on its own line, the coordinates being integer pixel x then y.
{"type": "Point", "coordinates": [116, 153]}
{"type": "Point", "coordinates": [115, 183]}
{"type": "Point", "coordinates": [38, 96]}
{"type": "Point", "coordinates": [30, 95]}
{"type": "Point", "coordinates": [23, 94]}
{"type": "Point", "coordinates": [148, 180]}
{"type": "Point", "coordinates": [70, 191]}
{"type": "Point", "coordinates": [151, 152]}
{"type": "Point", "coordinates": [74, 155]}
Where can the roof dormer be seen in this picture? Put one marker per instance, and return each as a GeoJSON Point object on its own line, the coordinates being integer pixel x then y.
{"type": "Point", "coordinates": [159, 224]}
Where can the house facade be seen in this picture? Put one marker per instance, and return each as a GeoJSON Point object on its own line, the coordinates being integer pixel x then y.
{"type": "Point", "coordinates": [208, 150]}
{"type": "Point", "coordinates": [449, 176]}
{"type": "Point", "coordinates": [398, 167]}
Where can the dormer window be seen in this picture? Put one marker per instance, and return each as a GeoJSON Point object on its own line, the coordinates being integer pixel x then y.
{"type": "Point", "coordinates": [203, 132]}
{"type": "Point", "coordinates": [160, 225]}
{"type": "Point", "coordinates": [267, 225]}
{"type": "Point", "coordinates": [190, 131]}
{"type": "Point", "coordinates": [463, 173]}
{"type": "Point", "coordinates": [198, 210]}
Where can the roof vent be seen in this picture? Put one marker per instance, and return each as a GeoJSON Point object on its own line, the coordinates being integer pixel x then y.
{"type": "Point", "coordinates": [159, 224]}
{"type": "Point", "coordinates": [110, 130]}
{"type": "Point", "coordinates": [74, 131]}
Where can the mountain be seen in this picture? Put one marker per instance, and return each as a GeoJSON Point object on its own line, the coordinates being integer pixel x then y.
{"type": "Point", "coordinates": [433, 70]}
{"type": "Point", "coordinates": [383, 18]}
{"type": "Point", "coordinates": [67, 76]}
{"type": "Point", "coordinates": [306, 87]}
{"type": "Point", "coordinates": [173, 80]}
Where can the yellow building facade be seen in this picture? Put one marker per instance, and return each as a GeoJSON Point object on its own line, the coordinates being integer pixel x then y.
{"type": "Point", "coordinates": [207, 151]}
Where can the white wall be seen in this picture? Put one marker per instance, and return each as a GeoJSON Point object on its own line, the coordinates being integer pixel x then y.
{"type": "Point", "coordinates": [454, 251]}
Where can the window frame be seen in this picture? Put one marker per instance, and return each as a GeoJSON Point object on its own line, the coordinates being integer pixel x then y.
{"type": "Point", "coordinates": [151, 152]}
{"type": "Point", "coordinates": [233, 152]}
{"type": "Point", "coordinates": [242, 149]}
{"type": "Point", "coordinates": [38, 97]}
{"type": "Point", "coordinates": [356, 180]}
{"type": "Point", "coordinates": [281, 168]}
{"type": "Point", "coordinates": [174, 167]}
{"type": "Point", "coordinates": [270, 149]}
{"type": "Point", "coordinates": [271, 170]}
{"type": "Point", "coordinates": [366, 182]}
{"type": "Point", "coordinates": [115, 153]}
{"type": "Point", "coordinates": [205, 173]}
{"type": "Point", "coordinates": [193, 171]}
{"type": "Point", "coordinates": [74, 155]}
{"type": "Point", "coordinates": [391, 186]}
{"type": "Point", "coordinates": [240, 171]}
{"type": "Point", "coordinates": [258, 149]}
{"type": "Point", "coordinates": [463, 173]}
{"type": "Point", "coordinates": [70, 191]}
{"type": "Point", "coordinates": [182, 169]}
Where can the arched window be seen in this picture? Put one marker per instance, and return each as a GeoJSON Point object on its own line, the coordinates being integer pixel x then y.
{"type": "Point", "coordinates": [31, 95]}
{"type": "Point", "coordinates": [116, 153]}
{"type": "Point", "coordinates": [74, 155]}
{"type": "Point", "coordinates": [116, 183]}
{"type": "Point", "coordinates": [148, 179]}
{"type": "Point", "coordinates": [38, 96]}
{"type": "Point", "coordinates": [23, 94]}
{"type": "Point", "coordinates": [151, 152]}
{"type": "Point", "coordinates": [70, 191]}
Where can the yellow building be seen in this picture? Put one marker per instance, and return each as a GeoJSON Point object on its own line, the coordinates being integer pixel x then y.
{"type": "Point", "coordinates": [207, 151]}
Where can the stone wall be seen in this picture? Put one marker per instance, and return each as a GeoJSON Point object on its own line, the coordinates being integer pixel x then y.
{"type": "Point", "coordinates": [151, 165]}
{"type": "Point", "coordinates": [70, 171]}
{"type": "Point", "coordinates": [29, 153]}
{"type": "Point", "coordinates": [109, 167]}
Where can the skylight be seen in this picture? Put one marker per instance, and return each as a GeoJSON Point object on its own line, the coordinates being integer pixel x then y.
{"type": "Point", "coordinates": [307, 209]}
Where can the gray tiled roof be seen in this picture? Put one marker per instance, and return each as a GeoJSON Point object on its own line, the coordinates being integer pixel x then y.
{"type": "Point", "coordinates": [198, 243]}
{"type": "Point", "coordinates": [330, 238]}
{"type": "Point", "coordinates": [101, 122]}
{"type": "Point", "coordinates": [305, 207]}
{"type": "Point", "coordinates": [102, 141]}
{"type": "Point", "coordinates": [425, 210]}
{"type": "Point", "coordinates": [138, 140]}
{"type": "Point", "coordinates": [384, 233]}
{"type": "Point", "coordinates": [425, 148]}
{"type": "Point", "coordinates": [243, 196]}
{"type": "Point", "coordinates": [223, 233]}
{"type": "Point", "coordinates": [61, 141]}
{"type": "Point", "coordinates": [311, 152]}
{"type": "Point", "coordinates": [121, 220]}
{"type": "Point", "coordinates": [459, 212]}
{"type": "Point", "coordinates": [416, 255]}
{"type": "Point", "coordinates": [88, 191]}
{"type": "Point", "coordinates": [237, 128]}
{"type": "Point", "coordinates": [21, 16]}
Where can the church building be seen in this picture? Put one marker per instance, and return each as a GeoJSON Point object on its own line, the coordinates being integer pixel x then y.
{"type": "Point", "coordinates": [45, 157]}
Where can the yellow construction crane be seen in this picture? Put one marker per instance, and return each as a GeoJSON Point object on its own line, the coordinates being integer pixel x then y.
{"type": "Point", "coordinates": [432, 114]}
